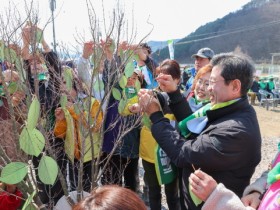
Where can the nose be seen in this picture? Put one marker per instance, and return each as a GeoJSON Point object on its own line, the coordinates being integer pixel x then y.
{"type": "Point", "coordinates": [209, 88]}
{"type": "Point", "coordinates": [201, 86]}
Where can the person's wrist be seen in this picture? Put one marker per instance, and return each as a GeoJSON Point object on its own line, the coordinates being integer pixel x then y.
{"type": "Point", "coordinates": [46, 47]}
{"type": "Point", "coordinates": [150, 112]}
{"type": "Point", "coordinates": [257, 194]}
{"type": "Point", "coordinates": [172, 89]}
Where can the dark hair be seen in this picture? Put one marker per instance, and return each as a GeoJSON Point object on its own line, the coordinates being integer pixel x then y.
{"type": "Point", "coordinates": [170, 67]}
{"type": "Point", "coordinates": [235, 67]}
{"type": "Point", "coordinates": [141, 79]}
{"type": "Point", "coordinates": [111, 197]}
{"type": "Point", "coordinates": [145, 45]}
{"type": "Point", "coordinates": [69, 63]}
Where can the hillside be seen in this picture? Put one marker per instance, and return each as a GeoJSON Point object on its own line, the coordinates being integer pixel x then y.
{"type": "Point", "coordinates": [158, 45]}
{"type": "Point", "coordinates": [255, 29]}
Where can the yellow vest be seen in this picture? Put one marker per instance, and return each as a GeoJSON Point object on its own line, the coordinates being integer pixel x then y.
{"type": "Point", "coordinates": [70, 130]}
{"type": "Point", "coordinates": [148, 143]}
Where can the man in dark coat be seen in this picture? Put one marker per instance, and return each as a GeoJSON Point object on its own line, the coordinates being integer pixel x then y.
{"type": "Point", "coordinates": [229, 145]}
{"type": "Point", "coordinates": [255, 90]}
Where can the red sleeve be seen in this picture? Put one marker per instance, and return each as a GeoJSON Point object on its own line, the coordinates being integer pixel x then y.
{"type": "Point", "coordinates": [10, 202]}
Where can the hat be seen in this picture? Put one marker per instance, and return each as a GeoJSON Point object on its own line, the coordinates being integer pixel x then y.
{"type": "Point", "coordinates": [204, 53]}
{"type": "Point", "coordinates": [138, 72]}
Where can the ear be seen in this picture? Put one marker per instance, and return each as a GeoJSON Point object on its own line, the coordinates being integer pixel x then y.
{"type": "Point", "coordinates": [236, 87]}
{"type": "Point", "coordinates": [177, 81]}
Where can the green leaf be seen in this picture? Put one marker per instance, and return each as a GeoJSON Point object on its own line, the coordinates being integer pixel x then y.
{"type": "Point", "coordinates": [123, 81]}
{"type": "Point", "coordinates": [63, 100]}
{"type": "Point", "coordinates": [136, 57]}
{"type": "Point", "coordinates": [122, 105]}
{"type": "Point", "coordinates": [68, 77]}
{"type": "Point", "coordinates": [129, 69]}
{"type": "Point", "coordinates": [146, 121]}
{"type": "Point", "coordinates": [112, 46]}
{"type": "Point", "coordinates": [77, 108]}
{"type": "Point", "coordinates": [2, 46]}
{"type": "Point", "coordinates": [195, 199]}
{"type": "Point", "coordinates": [98, 85]}
{"type": "Point", "coordinates": [33, 114]}
{"type": "Point", "coordinates": [137, 85]}
{"type": "Point", "coordinates": [47, 170]}
{"type": "Point", "coordinates": [14, 172]}
{"type": "Point", "coordinates": [117, 94]}
{"type": "Point", "coordinates": [12, 88]}
{"type": "Point", "coordinates": [39, 36]}
{"type": "Point", "coordinates": [27, 205]}
{"type": "Point", "coordinates": [31, 141]}
{"type": "Point", "coordinates": [19, 68]}
{"type": "Point", "coordinates": [69, 138]}
{"type": "Point", "coordinates": [129, 56]}
{"type": "Point", "coordinates": [96, 58]}
{"type": "Point", "coordinates": [31, 207]}
{"type": "Point", "coordinates": [10, 55]}
{"type": "Point", "coordinates": [122, 54]}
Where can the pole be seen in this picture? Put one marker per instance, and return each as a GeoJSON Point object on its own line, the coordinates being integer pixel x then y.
{"type": "Point", "coordinates": [52, 6]}
{"type": "Point", "coordinates": [272, 64]}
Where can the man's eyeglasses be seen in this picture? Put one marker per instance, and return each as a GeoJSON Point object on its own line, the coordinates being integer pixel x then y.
{"type": "Point", "coordinates": [212, 82]}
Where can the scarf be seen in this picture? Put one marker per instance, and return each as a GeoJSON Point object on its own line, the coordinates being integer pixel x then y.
{"type": "Point", "coordinates": [197, 121]}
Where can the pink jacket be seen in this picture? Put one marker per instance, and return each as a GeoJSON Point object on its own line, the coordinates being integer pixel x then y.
{"type": "Point", "coordinates": [222, 198]}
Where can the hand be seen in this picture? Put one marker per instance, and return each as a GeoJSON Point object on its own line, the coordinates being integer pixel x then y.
{"type": "Point", "coordinates": [2, 186]}
{"type": "Point", "coordinates": [88, 49]}
{"type": "Point", "coordinates": [11, 188]}
{"type": "Point", "coordinates": [148, 103]}
{"type": "Point", "coordinates": [140, 52]}
{"type": "Point", "coordinates": [167, 83]}
{"type": "Point", "coordinates": [17, 97]}
{"type": "Point", "coordinates": [123, 45]}
{"type": "Point", "coordinates": [134, 108]}
{"type": "Point", "coordinates": [252, 200]}
{"type": "Point", "coordinates": [59, 114]}
{"type": "Point", "coordinates": [106, 46]}
{"type": "Point", "coordinates": [10, 76]}
{"type": "Point", "coordinates": [201, 184]}
{"type": "Point", "coordinates": [30, 33]}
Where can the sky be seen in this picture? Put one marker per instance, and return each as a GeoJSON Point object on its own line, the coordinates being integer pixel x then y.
{"type": "Point", "coordinates": [159, 19]}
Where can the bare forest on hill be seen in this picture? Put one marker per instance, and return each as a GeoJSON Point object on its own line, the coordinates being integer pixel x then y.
{"type": "Point", "coordinates": [254, 29]}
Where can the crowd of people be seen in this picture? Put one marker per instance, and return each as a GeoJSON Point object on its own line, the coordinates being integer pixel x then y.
{"type": "Point", "coordinates": [118, 105]}
{"type": "Point", "coordinates": [263, 88]}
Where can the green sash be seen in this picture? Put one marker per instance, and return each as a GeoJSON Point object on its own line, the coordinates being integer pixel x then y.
{"type": "Point", "coordinates": [166, 171]}
{"type": "Point", "coordinates": [200, 113]}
